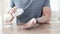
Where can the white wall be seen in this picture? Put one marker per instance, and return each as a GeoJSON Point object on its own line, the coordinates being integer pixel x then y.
{"type": "Point", "coordinates": [55, 9]}
{"type": "Point", "coordinates": [0, 18]}
{"type": "Point", "coordinates": [59, 9]}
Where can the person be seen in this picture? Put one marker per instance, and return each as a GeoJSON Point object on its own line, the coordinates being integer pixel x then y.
{"type": "Point", "coordinates": [35, 12]}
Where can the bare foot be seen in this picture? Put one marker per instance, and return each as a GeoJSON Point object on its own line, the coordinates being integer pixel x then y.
{"type": "Point", "coordinates": [30, 24]}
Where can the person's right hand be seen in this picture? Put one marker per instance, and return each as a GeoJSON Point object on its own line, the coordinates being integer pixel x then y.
{"type": "Point", "coordinates": [13, 10]}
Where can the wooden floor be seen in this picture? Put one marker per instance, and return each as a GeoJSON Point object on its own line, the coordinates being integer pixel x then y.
{"type": "Point", "coordinates": [52, 28]}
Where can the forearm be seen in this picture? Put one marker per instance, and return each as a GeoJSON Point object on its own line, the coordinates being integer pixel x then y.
{"type": "Point", "coordinates": [43, 19]}
{"type": "Point", "coordinates": [46, 15]}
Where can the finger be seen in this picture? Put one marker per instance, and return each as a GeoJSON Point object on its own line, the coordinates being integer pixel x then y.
{"type": "Point", "coordinates": [14, 10]}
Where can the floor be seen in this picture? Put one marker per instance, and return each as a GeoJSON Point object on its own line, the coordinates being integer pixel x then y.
{"type": "Point", "coordinates": [52, 28]}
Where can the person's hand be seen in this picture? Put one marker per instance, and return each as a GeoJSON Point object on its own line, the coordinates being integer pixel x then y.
{"type": "Point", "coordinates": [9, 18]}
{"type": "Point", "coordinates": [29, 24]}
{"type": "Point", "coordinates": [13, 10]}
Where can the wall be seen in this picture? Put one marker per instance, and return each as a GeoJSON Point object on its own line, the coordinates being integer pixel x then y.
{"type": "Point", "coordinates": [55, 10]}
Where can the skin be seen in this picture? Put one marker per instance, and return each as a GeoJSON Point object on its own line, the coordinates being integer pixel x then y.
{"type": "Point", "coordinates": [11, 11]}
{"type": "Point", "coordinates": [44, 19]}
{"type": "Point", "coordinates": [46, 15]}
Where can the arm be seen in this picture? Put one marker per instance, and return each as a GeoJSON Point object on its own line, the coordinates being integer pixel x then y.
{"type": "Point", "coordinates": [46, 13]}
